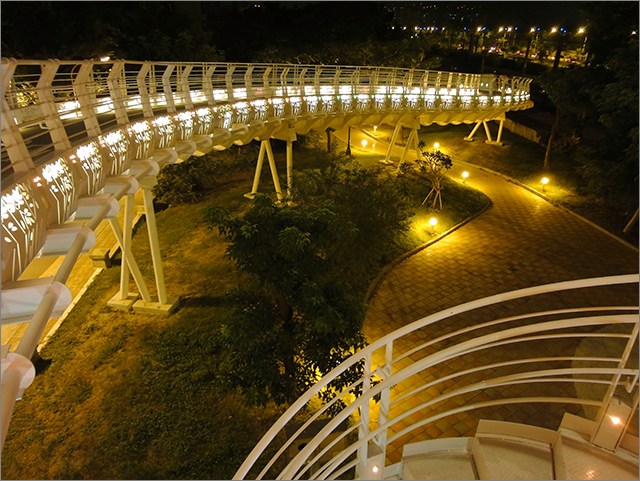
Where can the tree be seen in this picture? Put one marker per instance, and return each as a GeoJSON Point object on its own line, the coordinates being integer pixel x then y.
{"type": "Point", "coordinates": [433, 165]}
{"type": "Point", "coordinates": [566, 89]}
{"type": "Point", "coordinates": [301, 320]}
{"type": "Point", "coordinates": [311, 264]}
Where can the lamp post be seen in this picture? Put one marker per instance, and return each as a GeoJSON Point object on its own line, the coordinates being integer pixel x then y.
{"type": "Point", "coordinates": [544, 183]}
{"type": "Point", "coordinates": [432, 222]}
{"type": "Point", "coordinates": [348, 151]}
{"type": "Point", "coordinates": [526, 55]}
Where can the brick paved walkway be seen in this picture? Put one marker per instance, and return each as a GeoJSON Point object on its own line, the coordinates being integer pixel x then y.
{"type": "Point", "coordinates": [520, 241]}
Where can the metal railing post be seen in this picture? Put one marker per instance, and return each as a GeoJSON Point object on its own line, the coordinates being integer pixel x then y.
{"type": "Point", "coordinates": [52, 119]}
{"type": "Point", "coordinates": [363, 430]}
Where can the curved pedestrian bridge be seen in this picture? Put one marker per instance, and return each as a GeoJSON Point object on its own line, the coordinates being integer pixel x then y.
{"type": "Point", "coordinates": [80, 137]}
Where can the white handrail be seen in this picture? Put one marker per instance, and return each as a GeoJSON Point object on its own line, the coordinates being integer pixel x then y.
{"type": "Point", "coordinates": [527, 333]}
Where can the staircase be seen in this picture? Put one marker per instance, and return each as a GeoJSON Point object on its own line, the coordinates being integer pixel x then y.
{"type": "Point", "coordinates": [502, 450]}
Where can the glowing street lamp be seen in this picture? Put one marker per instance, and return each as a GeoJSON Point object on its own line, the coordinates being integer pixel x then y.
{"type": "Point", "coordinates": [364, 143]}
{"type": "Point", "coordinates": [554, 29]}
{"type": "Point", "coordinates": [465, 174]}
{"type": "Point", "coordinates": [544, 182]}
{"type": "Point", "coordinates": [435, 146]}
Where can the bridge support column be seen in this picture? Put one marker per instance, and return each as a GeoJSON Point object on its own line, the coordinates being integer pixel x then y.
{"type": "Point", "coordinates": [489, 140]}
{"type": "Point", "coordinates": [469, 138]}
{"type": "Point", "coordinates": [391, 144]}
{"type": "Point", "coordinates": [498, 140]}
{"type": "Point", "coordinates": [164, 305]}
{"type": "Point", "coordinates": [412, 141]}
{"type": "Point", "coordinates": [265, 146]}
{"type": "Point", "coordinates": [124, 300]}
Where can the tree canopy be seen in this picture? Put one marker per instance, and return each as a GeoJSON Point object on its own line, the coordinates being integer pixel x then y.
{"type": "Point", "coordinates": [310, 264]}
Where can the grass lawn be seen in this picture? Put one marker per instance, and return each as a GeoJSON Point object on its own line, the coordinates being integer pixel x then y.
{"type": "Point", "coordinates": [132, 396]}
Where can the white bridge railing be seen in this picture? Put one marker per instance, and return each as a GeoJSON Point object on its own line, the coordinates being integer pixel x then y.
{"type": "Point", "coordinates": [437, 380]}
{"type": "Point", "coordinates": [70, 128]}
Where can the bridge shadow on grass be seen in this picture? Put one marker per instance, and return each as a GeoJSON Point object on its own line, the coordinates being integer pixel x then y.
{"type": "Point", "coordinates": [206, 301]}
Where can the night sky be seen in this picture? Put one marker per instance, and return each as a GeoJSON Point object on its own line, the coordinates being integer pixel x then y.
{"type": "Point", "coordinates": [534, 14]}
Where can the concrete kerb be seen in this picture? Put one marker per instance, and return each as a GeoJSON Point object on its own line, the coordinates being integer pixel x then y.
{"type": "Point", "coordinates": [376, 282]}
{"type": "Point", "coordinates": [551, 201]}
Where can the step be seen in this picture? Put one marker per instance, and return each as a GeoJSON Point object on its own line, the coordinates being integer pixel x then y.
{"type": "Point", "coordinates": [448, 458]}
{"type": "Point", "coordinates": [501, 458]}
{"type": "Point", "coordinates": [576, 458]}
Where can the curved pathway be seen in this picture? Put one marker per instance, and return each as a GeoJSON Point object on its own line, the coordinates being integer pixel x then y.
{"type": "Point", "coordinates": [520, 241]}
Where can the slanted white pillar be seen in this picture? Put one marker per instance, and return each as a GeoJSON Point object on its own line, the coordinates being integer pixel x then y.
{"type": "Point", "coordinates": [469, 138]}
{"type": "Point", "coordinates": [412, 142]}
{"type": "Point", "coordinates": [265, 147]}
{"type": "Point", "coordinates": [126, 246]}
{"type": "Point", "coordinates": [147, 185]}
{"type": "Point", "coordinates": [397, 129]}
{"type": "Point", "coordinates": [487, 131]}
{"type": "Point", "coordinates": [165, 304]}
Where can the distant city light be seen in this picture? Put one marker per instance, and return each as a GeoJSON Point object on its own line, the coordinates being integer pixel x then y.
{"type": "Point", "coordinates": [554, 29]}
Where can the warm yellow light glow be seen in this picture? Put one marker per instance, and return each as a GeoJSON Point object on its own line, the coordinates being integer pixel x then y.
{"type": "Point", "coordinates": [509, 29]}
{"type": "Point", "coordinates": [465, 174]}
{"type": "Point", "coordinates": [615, 420]}
{"type": "Point", "coordinates": [554, 29]}
{"type": "Point", "coordinates": [375, 127]}
{"type": "Point", "coordinates": [544, 181]}
{"type": "Point", "coordinates": [581, 30]}
{"type": "Point", "coordinates": [500, 29]}
{"type": "Point", "coordinates": [533, 29]}
{"type": "Point", "coordinates": [433, 221]}
{"type": "Point", "coordinates": [479, 29]}
{"type": "Point", "coordinates": [436, 145]}
{"type": "Point", "coordinates": [106, 58]}
{"type": "Point", "coordinates": [364, 143]}
{"type": "Point", "coordinates": [375, 469]}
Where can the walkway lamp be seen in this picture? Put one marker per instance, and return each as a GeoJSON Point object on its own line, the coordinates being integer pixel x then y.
{"type": "Point", "coordinates": [544, 182]}
{"type": "Point", "coordinates": [435, 146]}
{"type": "Point", "coordinates": [432, 222]}
{"type": "Point", "coordinates": [465, 174]}
{"type": "Point", "coordinates": [364, 143]}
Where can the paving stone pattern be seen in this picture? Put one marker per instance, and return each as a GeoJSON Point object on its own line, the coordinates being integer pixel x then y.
{"type": "Point", "coordinates": [520, 241]}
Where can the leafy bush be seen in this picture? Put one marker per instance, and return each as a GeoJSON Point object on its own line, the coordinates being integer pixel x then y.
{"type": "Point", "coordinates": [189, 181]}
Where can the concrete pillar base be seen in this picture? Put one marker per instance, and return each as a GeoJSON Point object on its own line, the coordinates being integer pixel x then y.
{"type": "Point", "coordinates": [100, 257]}
{"type": "Point", "coordinates": [386, 162]}
{"type": "Point", "coordinates": [250, 195]}
{"type": "Point", "coordinates": [123, 304]}
{"type": "Point", "coordinates": [468, 139]}
{"type": "Point", "coordinates": [155, 307]}
{"type": "Point", "coordinates": [493, 142]}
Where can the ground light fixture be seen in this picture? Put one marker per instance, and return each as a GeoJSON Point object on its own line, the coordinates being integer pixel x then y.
{"type": "Point", "coordinates": [432, 222]}
{"type": "Point", "coordinates": [436, 145]}
{"type": "Point", "coordinates": [375, 469]}
{"type": "Point", "coordinates": [465, 174]}
{"type": "Point", "coordinates": [364, 143]}
{"type": "Point", "coordinates": [544, 182]}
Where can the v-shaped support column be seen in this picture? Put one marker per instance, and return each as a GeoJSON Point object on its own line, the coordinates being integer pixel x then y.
{"type": "Point", "coordinates": [265, 146]}
{"type": "Point", "coordinates": [397, 129]}
{"type": "Point", "coordinates": [412, 141]}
